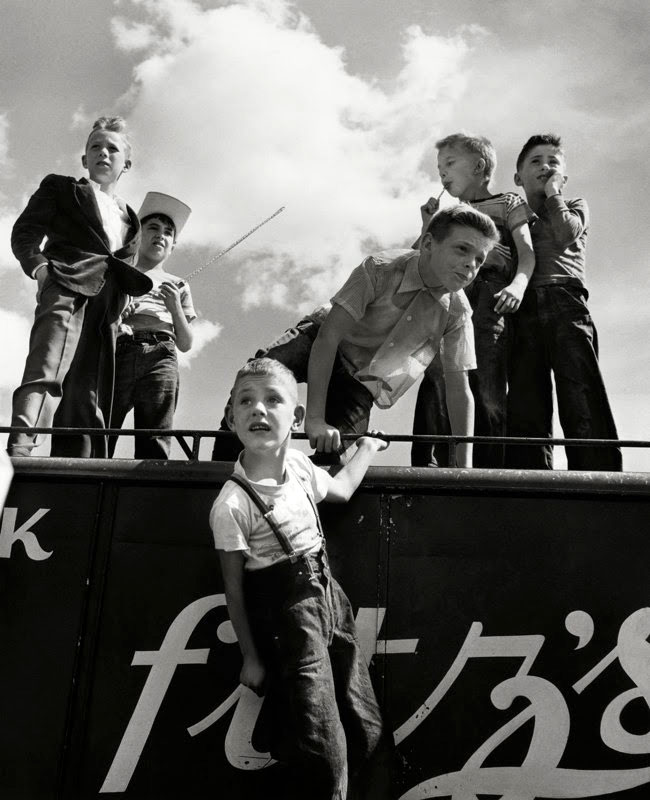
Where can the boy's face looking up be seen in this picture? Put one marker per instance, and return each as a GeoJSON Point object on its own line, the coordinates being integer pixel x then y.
{"type": "Point", "coordinates": [158, 235]}
{"type": "Point", "coordinates": [453, 262]}
{"type": "Point", "coordinates": [106, 157]}
{"type": "Point", "coordinates": [462, 173]}
{"type": "Point", "coordinates": [537, 167]}
{"type": "Point", "coordinates": [263, 412]}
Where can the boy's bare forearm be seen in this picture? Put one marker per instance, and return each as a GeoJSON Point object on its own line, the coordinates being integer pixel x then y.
{"type": "Point", "coordinates": [525, 254]}
{"type": "Point", "coordinates": [253, 671]}
{"type": "Point", "coordinates": [345, 483]}
{"type": "Point", "coordinates": [339, 322]}
{"type": "Point", "coordinates": [319, 373]}
{"type": "Point", "coordinates": [183, 331]}
{"type": "Point", "coordinates": [460, 407]}
{"type": "Point", "coordinates": [233, 578]}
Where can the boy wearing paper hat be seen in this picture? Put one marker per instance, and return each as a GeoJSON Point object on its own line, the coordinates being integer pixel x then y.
{"type": "Point", "coordinates": [153, 327]}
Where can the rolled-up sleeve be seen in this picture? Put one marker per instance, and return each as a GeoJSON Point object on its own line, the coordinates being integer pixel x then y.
{"type": "Point", "coordinates": [359, 290]}
{"type": "Point", "coordinates": [457, 351]}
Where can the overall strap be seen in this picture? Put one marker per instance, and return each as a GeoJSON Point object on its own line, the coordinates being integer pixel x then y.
{"type": "Point", "coordinates": [267, 513]}
{"type": "Point", "coordinates": [303, 482]}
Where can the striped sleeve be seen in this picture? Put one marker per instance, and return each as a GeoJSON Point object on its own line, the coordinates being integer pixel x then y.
{"type": "Point", "coordinates": [517, 211]}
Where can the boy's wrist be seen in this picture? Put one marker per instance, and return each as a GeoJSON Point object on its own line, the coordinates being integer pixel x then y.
{"type": "Point", "coordinates": [520, 280]}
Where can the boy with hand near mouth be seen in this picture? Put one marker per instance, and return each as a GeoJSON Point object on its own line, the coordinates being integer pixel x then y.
{"type": "Point", "coordinates": [555, 331]}
{"type": "Point", "coordinates": [466, 165]}
{"type": "Point", "coordinates": [84, 273]}
{"type": "Point", "coordinates": [294, 624]}
{"type": "Point", "coordinates": [152, 327]}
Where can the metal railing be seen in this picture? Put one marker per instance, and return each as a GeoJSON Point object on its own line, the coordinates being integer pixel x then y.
{"type": "Point", "coordinates": [191, 451]}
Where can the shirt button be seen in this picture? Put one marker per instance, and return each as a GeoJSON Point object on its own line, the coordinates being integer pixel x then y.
{"type": "Point", "coordinates": [391, 344]}
{"type": "Point", "coordinates": [409, 318]}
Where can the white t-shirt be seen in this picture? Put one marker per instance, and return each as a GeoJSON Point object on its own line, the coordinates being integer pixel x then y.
{"type": "Point", "coordinates": [237, 523]}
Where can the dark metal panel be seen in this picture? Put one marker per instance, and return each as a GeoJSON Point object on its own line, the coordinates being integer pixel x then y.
{"type": "Point", "coordinates": [551, 580]}
{"type": "Point", "coordinates": [42, 604]}
{"type": "Point", "coordinates": [521, 563]}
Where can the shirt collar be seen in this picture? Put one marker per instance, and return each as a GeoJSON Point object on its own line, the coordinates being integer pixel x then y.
{"type": "Point", "coordinates": [412, 282]}
{"type": "Point", "coordinates": [114, 197]}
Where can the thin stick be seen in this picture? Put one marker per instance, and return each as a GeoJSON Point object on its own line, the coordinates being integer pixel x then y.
{"type": "Point", "coordinates": [195, 272]}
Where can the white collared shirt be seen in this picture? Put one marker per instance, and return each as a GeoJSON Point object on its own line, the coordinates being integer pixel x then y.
{"type": "Point", "coordinates": [114, 216]}
{"type": "Point", "coordinates": [400, 325]}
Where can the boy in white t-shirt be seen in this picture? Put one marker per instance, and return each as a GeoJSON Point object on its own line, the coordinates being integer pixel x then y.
{"type": "Point", "coordinates": [152, 328]}
{"type": "Point", "coordinates": [294, 624]}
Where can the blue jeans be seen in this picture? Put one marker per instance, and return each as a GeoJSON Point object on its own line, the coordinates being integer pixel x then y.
{"type": "Point", "coordinates": [146, 381]}
{"type": "Point", "coordinates": [554, 333]}
{"type": "Point", "coordinates": [488, 384]}
{"type": "Point", "coordinates": [348, 402]}
{"type": "Point", "coordinates": [323, 713]}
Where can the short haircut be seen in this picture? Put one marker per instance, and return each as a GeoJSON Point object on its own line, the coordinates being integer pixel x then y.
{"type": "Point", "coordinates": [478, 145]}
{"type": "Point", "coordinates": [114, 124]}
{"type": "Point", "coordinates": [462, 215]}
{"type": "Point", "coordinates": [163, 218]}
{"type": "Point", "coordinates": [535, 141]}
{"type": "Point", "coordinates": [265, 366]}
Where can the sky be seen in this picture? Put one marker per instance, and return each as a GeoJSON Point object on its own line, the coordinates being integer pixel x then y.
{"type": "Point", "coordinates": [330, 110]}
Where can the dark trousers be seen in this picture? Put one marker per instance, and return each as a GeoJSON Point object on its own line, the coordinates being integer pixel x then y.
{"type": "Point", "coordinates": [554, 333]}
{"type": "Point", "coordinates": [324, 716]}
{"type": "Point", "coordinates": [348, 403]}
{"type": "Point", "coordinates": [146, 380]}
{"type": "Point", "coordinates": [488, 383]}
{"type": "Point", "coordinates": [71, 357]}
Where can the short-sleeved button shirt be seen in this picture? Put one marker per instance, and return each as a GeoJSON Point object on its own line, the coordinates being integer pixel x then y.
{"type": "Point", "coordinates": [400, 325]}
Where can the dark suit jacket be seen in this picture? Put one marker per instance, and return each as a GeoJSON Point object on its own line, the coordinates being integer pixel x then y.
{"type": "Point", "coordinates": [77, 250]}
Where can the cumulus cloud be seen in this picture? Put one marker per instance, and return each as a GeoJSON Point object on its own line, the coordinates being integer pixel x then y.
{"type": "Point", "coordinates": [131, 35]}
{"type": "Point", "coordinates": [242, 108]}
{"type": "Point", "coordinates": [204, 332]}
{"type": "Point", "coordinates": [4, 141]}
{"type": "Point", "coordinates": [7, 219]}
{"type": "Point", "coordinates": [15, 333]}
{"type": "Point", "coordinates": [7, 213]}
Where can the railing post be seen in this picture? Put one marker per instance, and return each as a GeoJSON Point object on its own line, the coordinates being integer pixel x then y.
{"type": "Point", "coordinates": [452, 452]}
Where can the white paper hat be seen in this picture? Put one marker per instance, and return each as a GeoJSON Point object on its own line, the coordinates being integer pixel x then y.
{"type": "Point", "coordinates": [159, 203]}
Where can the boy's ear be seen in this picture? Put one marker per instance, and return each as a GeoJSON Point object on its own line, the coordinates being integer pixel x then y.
{"type": "Point", "coordinates": [517, 180]}
{"type": "Point", "coordinates": [298, 417]}
{"type": "Point", "coordinates": [127, 165]}
{"type": "Point", "coordinates": [230, 419]}
{"type": "Point", "coordinates": [426, 242]}
{"type": "Point", "coordinates": [480, 165]}
{"type": "Point", "coordinates": [84, 162]}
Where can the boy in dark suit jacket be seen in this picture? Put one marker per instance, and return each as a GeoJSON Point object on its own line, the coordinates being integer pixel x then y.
{"type": "Point", "coordinates": [84, 273]}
